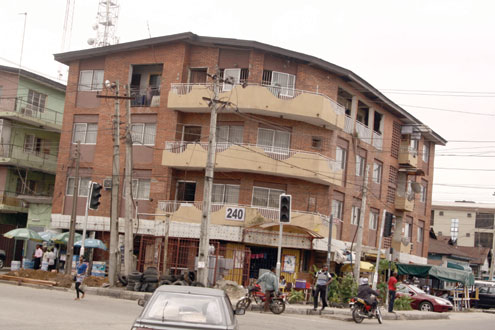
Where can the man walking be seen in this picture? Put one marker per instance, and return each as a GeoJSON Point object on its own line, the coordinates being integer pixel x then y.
{"type": "Point", "coordinates": [392, 281]}
{"type": "Point", "coordinates": [323, 278]}
{"type": "Point", "coordinates": [270, 283]}
{"type": "Point", "coordinates": [38, 254]}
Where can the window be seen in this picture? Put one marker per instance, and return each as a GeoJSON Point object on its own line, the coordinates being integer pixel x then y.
{"type": "Point", "coordinates": [274, 141]}
{"type": "Point", "coordinates": [141, 188]}
{"type": "Point", "coordinates": [191, 133]}
{"type": "Point", "coordinates": [408, 230]}
{"type": "Point", "coordinates": [36, 101]}
{"type": "Point", "coordinates": [454, 229]}
{"type": "Point", "coordinates": [143, 134]}
{"type": "Point", "coordinates": [469, 215]}
{"type": "Point", "coordinates": [266, 197]}
{"type": "Point", "coordinates": [356, 214]}
{"type": "Point", "coordinates": [225, 193]}
{"type": "Point", "coordinates": [373, 220]}
{"type": "Point", "coordinates": [483, 240]}
{"type": "Point", "coordinates": [484, 220]}
{"type": "Point", "coordinates": [29, 188]}
{"type": "Point", "coordinates": [413, 145]}
{"type": "Point", "coordinates": [426, 152]}
{"type": "Point", "coordinates": [227, 134]}
{"type": "Point", "coordinates": [186, 191]}
{"type": "Point", "coordinates": [316, 142]}
{"type": "Point", "coordinates": [198, 75]}
{"type": "Point", "coordinates": [440, 213]}
{"type": "Point", "coordinates": [29, 143]}
{"type": "Point", "coordinates": [90, 80]}
{"type": "Point", "coordinates": [419, 239]}
{"type": "Point", "coordinates": [360, 164]}
{"type": "Point", "coordinates": [377, 172]}
{"type": "Point", "coordinates": [468, 234]}
{"type": "Point", "coordinates": [83, 186]}
{"type": "Point", "coordinates": [235, 77]}
{"type": "Point", "coordinates": [286, 82]}
{"type": "Point", "coordinates": [345, 100]}
{"type": "Point", "coordinates": [341, 156]}
{"type": "Point", "coordinates": [85, 133]}
{"type": "Point", "coordinates": [423, 192]}
{"type": "Point", "coordinates": [337, 208]}
{"type": "Point", "coordinates": [362, 115]}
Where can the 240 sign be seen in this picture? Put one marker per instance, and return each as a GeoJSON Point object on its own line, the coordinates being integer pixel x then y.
{"type": "Point", "coordinates": [235, 213]}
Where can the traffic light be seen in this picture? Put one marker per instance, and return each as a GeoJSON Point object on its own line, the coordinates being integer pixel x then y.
{"type": "Point", "coordinates": [389, 219]}
{"type": "Point", "coordinates": [285, 207]}
{"type": "Point", "coordinates": [95, 195]}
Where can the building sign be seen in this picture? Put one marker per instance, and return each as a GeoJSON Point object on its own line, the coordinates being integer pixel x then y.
{"type": "Point", "coordinates": [289, 264]}
{"type": "Point", "coordinates": [235, 213]}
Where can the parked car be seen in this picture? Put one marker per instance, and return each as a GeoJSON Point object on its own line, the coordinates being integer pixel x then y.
{"type": "Point", "coordinates": [422, 300]}
{"type": "Point", "coordinates": [486, 297]}
{"type": "Point", "coordinates": [2, 258]}
{"type": "Point", "coordinates": [186, 307]}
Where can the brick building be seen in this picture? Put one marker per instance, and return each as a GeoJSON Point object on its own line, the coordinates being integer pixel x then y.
{"type": "Point", "coordinates": [294, 124]}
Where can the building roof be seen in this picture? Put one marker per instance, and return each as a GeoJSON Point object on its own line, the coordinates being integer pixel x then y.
{"type": "Point", "coordinates": [464, 206]}
{"type": "Point", "coordinates": [477, 254]}
{"type": "Point", "coordinates": [440, 246]}
{"type": "Point", "coordinates": [350, 77]}
{"type": "Point", "coordinates": [34, 76]}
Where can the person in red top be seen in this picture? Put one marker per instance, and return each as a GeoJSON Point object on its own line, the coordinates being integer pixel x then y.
{"type": "Point", "coordinates": [392, 281]}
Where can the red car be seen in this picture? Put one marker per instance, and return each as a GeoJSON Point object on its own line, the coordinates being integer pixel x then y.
{"type": "Point", "coordinates": [422, 300]}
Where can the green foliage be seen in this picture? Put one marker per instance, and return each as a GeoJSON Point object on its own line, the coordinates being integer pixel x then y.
{"type": "Point", "coordinates": [382, 289]}
{"type": "Point", "coordinates": [295, 296]}
{"type": "Point", "coordinates": [341, 290]}
{"type": "Point", "coordinates": [383, 267]}
{"type": "Point", "coordinates": [403, 303]}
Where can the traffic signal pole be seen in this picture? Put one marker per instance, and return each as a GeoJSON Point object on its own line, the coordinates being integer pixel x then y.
{"type": "Point", "coordinates": [382, 226]}
{"type": "Point", "coordinates": [85, 223]}
{"type": "Point", "coordinates": [285, 206]}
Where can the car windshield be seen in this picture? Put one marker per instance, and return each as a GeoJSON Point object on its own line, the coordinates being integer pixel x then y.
{"type": "Point", "coordinates": [189, 308]}
{"type": "Point", "coordinates": [416, 289]}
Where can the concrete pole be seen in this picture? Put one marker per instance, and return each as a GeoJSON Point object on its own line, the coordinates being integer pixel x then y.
{"type": "Point", "coordinates": [492, 266]}
{"type": "Point", "coordinates": [129, 237]}
{"type": "Point", "coordinates": [204, 242]}
{"type": "Point", "coordinates": [70, 244]}
{"type": "Point", "coordinates": [382, 225]}
{"type": "Point", "coordinates": [330, 232]}
{"type": "Point", "coordinates": [165, 244]}
{"type": "Point", "coordinates": [85, 223]}
{"type": "Point", "coordinates": [114, 211]}
{"type": "Point", "coordinates": [359, 242]}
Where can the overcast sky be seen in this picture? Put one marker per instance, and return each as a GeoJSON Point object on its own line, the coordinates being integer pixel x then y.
{"type": "Point", "coordinates": [421, 47]}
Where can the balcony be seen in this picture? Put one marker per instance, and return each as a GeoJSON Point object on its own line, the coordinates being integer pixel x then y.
{"type": "Point", "coordinates": [363, 131]}
{"type": "Point", "coordinates": [349, 125]}
{"type": "Point", "coordinates": [303, 165]}
{"type": "Point", "coordinates": [9, 203]}
{"type": "Point", "coordinates": [313, 108]}
{"type": "Point", "coordinates": [17, 156]}
{"type": "Point", "coordinates": [377, 140]}
{"type": "Point", "coordinates": [191, 212]}
{"type": "Point", "coordinates": [408, 156]}
{"type": "Point", "coordinates": [18, 109]}
{"type": "Point", "coordinates": [145, 97]}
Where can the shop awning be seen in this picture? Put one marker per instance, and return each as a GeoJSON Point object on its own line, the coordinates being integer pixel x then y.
{"type": "Point", "coordinates": [364, 267]}
{"type": "Point", "coordinates": [442, 273]}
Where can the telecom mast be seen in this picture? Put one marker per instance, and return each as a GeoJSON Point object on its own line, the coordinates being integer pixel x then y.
{"type": "Point", "coordinates": [106, 24]}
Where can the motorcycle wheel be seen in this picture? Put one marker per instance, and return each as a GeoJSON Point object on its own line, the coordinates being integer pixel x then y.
{"type": "Point", "coordinates": [243, 303]}
{"type": "Point", "coordinates": [379, 315]}
{"type": "Point", "coordinates": [277, 306]}
{"type": "Point", "coordinates": [356, 315]}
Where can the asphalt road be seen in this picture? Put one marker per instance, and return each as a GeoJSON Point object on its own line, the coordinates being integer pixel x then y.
{"type": "Point", "coordinates": [23, 308]}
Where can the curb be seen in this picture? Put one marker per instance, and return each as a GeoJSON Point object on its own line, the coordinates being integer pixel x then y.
{"type": "Point", "coordinates": [117, 293]}
{"type": "Point", "coordinates": [35, 286]}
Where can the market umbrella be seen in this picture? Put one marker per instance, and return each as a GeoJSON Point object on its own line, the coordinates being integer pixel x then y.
{"type": "Point", "coordinates": [47, 235]}
{"type": "Point", "coordinates": [364, 267]}
{"type": "Point", "coordinates": [63, 238]}
{"type": "Point", "coordinates": [92, 243]}
{"type": "Point", "coordinates": [23, 234]}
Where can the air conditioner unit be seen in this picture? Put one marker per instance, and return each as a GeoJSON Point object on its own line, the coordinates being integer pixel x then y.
{"type": "Point", "coordinates": [107, 184]}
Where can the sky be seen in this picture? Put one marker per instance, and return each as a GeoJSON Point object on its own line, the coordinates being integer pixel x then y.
{"type": "Point", "coordinates": [427, 56]}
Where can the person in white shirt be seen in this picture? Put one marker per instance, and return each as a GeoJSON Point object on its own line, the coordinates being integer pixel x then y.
{"type": "Point", "coordinates": [38, 254]}
{"type": "Point", "coordinates": [51, 260]}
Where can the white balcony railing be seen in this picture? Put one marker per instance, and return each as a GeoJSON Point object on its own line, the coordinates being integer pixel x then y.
{"type": "Point", "coordinates": [377, 140]}
{"type": "Point", "coordinates": [273, 153]}
{"type": "Point", "coordinates": [282, 93]}
{"type": "Point", "coordinates": [349, 125]}
{"type": "Point", "coordinates": [364, 133]}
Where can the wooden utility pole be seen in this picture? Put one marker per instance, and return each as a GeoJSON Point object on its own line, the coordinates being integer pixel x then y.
{"type": "Point", "coordinates": [359, 243]}
{"type": "Point", "coordinates": [129, 237]}
{"type": "Point", "coordinates": [73, 217]}
{"type": "Point", "coordinates": [204, 243]}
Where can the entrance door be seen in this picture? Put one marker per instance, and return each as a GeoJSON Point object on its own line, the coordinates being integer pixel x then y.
{"type": "Point", "coordinates": [191, 134]}
{"type": "Point", "coordinates": [198, 76]}
{"type": "Point", "coordinates": [186, 191]}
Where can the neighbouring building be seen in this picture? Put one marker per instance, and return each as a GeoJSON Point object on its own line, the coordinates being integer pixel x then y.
{"type": "Point", "coordinates": [31, 112]}
{"type": "Point", "coordinates": [292, 124]}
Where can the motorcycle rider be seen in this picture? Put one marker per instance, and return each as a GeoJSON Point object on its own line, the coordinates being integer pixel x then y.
{"type": "Point", "coordinates": [365, 292]}
{"type": "Point", "coordinates": [270, 282]}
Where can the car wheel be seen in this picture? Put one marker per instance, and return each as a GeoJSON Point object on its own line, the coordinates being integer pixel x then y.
{"type": "Point", "coordinates": [426, 306]}
{"type": "Point", "coordinates": [179, 283]}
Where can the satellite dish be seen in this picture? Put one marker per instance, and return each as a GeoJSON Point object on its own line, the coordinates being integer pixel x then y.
{"type": "Point", "coordinates": [91, 41]}
{"type": "Point", "coordinates": [416, 187]}
{"type": "Point", "coordinates": [410, 197]}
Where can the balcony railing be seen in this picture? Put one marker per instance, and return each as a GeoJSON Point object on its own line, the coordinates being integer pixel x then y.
{"type": "Point", "coordinates": [364, 133]}
{"type": "Point", "coordinates": [21, 106]}
{"type": "Point", "coordinates": [29, 158]}
{"type": "Point", "coordinates": [282, 93]}
{"type": "Point", "coordinates": [9, 199]}
{"type": "Point", "coordinates": [349, 125]}
{"type": "Point", "coordinates": [377, 140]}
{"type": "Point", "coordinates": [145, 97]}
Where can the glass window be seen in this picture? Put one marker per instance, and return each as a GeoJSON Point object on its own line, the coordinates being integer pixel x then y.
{"type": "Point", "coordinates": [143, 133]}
{"type": "Point", "coordinates": [423, 194]}
{"type": "Point", "coordinates": [85, 133]}
{"type": "Point", "coordinates": [227, 134]}
{"type": "Point", "coordinates": [454, 229]}
{"type": "Point", "coordinates": [426, 152]}
{"type": "Point", "coordinates": [274, 141]}
{"type": "Point", "coordinates": [29, 143]}
{"type": "Point", "coordinates": [420, 235]}
{"type": "Point", "coordinates": [36, 101]}
{"type": "Point", "coordinates": [90, 80]}
{"type": "Point", "coordinates": [408, 230]}
{"type": "Point", "coordinates": [373, 220]}
{"type": "Point", "coordinates": [186, 191]}
{"type": "Point", "coordinates": [225, 194]}
{"type": "Point", "coordinates": [356, 214]}
{"type": "Point", "coordinates": [266, 197]}
{"type": "Point", "coordinates": [337, 207]}
{"type": "Point", "coordinates": [141, 189]}
{"type": "Point", "coordinates": [285, 81]}
{"type": "Point", "coordinates": [360, 164]}
{"type": "Point", "coordinates": [377, 172]}
{"type": "Point", "coordinates": [341, 157]}
{"type": "Point", "coordinates": [83, 186]}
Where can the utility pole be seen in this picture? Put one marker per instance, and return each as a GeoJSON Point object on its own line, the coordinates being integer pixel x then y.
{"type": "Point", "coordinates": [359, 243]}
{"type": "Point", "coordinates": [382, 225]}
{"type": "Point", "coordinates": [165, 244]}
{"type": "Point", "coordinates": [114, 210]}
{"type": "Point", "coordinates": [492, 266]}
{"type": "Point", "coordinates": [72, 230]}
{"type": "Point", "coordinates": [129, 239]}
{"type": "Point", "coordinates": [203, 255]}
{"type": "Point", "coordinates": [330, 232]}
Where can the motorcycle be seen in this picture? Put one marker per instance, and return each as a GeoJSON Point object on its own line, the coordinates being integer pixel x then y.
{"type": "Point", "coordinates": [277, 305]}
{"type": "Point", "coordinates": [360, 310]}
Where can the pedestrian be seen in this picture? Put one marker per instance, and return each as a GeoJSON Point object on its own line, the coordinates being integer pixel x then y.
{"type": "Point", "coordinates": [392, 288]}
{"type": "Point", "coordinates": [82, 267]}
{"type": "Point", "coordinates": [270, 282]}
{"type": "Point", "coordinates": [61, 260]}
{"type": "Point", "coordinates": [322, 280]}
{"type": "Point", "coordinates": [51, 259]}
{"type": "Point", "coordinates": [38, 254]}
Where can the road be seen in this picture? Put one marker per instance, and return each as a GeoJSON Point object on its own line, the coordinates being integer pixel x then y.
{"type": "Point", "coordinates": [23, 308]}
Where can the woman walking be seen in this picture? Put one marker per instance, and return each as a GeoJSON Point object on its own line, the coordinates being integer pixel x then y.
{"type": "Point", "coordinates": [80, 275]}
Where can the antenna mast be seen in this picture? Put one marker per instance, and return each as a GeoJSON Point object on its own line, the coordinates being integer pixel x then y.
{"type": "Point", "coordinates": [106, 24]}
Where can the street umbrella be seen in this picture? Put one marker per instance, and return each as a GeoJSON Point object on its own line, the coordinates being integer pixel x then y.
{"type": "Point", "coordinates": [63, 238]}
{"type": "Point", "coordinates": [23, 234]}
{"type": "Point", "coordinates": [92, 243]}
{"type": "Point", "coordinates": [47, 235]}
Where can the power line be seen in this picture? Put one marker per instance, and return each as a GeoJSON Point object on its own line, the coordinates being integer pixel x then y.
{"type": "Point", "coordinates": [449, 110]}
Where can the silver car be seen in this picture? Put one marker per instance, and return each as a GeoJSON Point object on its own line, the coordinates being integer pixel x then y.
{"type": "Point", "coordinates": [187, 307]}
